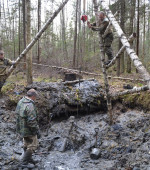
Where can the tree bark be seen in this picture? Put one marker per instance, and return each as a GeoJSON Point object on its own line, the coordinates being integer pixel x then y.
{"type": "Point", "coordinates": [24, 28]}
{"type": "Point", "coordinates": [64, 43]}
{"type": "Point", "coordinates": [39, 27]}
{"type": "Point", "coordinates": [75, 37]}
{"type": "Point", "coordinates": [134, 90]}
{"type": "Point", "coordinates": [123, 48]}
{"type": "Point", "coordinates": [132, 15]}
{"type": "Point", "coordinates": [29, 55]}
{"type": "Point", "coordinates": [122, 4]}
{"type": "Point", "coordinates": [109, 106]}
{"type": "Point", "coordinates": [138, 64]}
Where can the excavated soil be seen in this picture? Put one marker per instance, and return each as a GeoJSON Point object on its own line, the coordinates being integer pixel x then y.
{"type": "Point", "coordinates": [125, 145]}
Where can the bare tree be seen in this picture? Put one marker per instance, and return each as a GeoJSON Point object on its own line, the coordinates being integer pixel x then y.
{"type": "Point", "coordinates": [132, 15]}
{"type": "Point", "coordinates": [64, 44]}
{"type": "Point", "coordinates": [39, 27]}
{"type": "Point", "coordinates": [29, 55]}
{"type": "Point", "coordinates": [75, 36]}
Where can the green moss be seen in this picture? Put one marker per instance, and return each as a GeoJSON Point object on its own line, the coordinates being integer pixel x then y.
{"type": "Point", "coordinates": [8, 88]}
{"type": "Point", "coordinates": [141, 100]}
{"type": "Point", "coordinates": [98, 102]}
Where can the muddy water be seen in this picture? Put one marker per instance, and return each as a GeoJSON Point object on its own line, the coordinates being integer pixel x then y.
{"type": "Point", "coordinates": [124, 145]}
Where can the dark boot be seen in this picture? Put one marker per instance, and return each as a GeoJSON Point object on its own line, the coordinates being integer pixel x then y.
{"type": "Point", "coordinates": [26, 157]}
{"type": "Point", "coordinates": [31, 159]}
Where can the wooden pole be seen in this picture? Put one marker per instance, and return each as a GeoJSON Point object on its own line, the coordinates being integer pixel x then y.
{"type": "Point", "coordinates": [102, 56]}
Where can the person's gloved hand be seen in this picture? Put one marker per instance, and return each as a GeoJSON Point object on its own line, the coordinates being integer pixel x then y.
{"type": "Point", "coordinates": [38, 134]}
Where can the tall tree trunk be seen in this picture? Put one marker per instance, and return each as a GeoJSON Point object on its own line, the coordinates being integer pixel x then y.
{"type": "Point", "coordinates": [83, 36]}
{"type": "Point", "coordinates": [75, 37]}
{"type": "Point", "coordinates": [14, 38]}
{"type": "Point", "coordinates": [79, 34]}
{"type": "Point", "coordinates": [122, 4]}
{"type": "Point", "coordinates": [24, 27]}
{"type": "Point", "coordinates": [102, 57]}
{"type": "Point", "coordinates": [0, 24]}
{"type": "Point", "coordinates": [64, 45]}
{"type": "Point", "coordinates": [144, 23]}
{"type": "Point", "coordinates": [19, 29]}
{"type": "Point", "coordinates": [132, 15]}
{"type": "Point", "coordinates": [39, 27]}
{"type": "Point", "coordinates": [118, 60]}
{"type": "Point", "coordinates": [29, 55]}
{"type": "Point", "coordinates": [138, 29]}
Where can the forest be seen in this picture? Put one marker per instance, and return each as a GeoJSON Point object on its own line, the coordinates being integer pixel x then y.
{"type": "Point", "coordinates": [74, 84]}
{"type": "Point", "coordinates": [68, 42]}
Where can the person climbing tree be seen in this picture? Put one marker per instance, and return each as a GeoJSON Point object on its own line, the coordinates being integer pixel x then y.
{"type": "Point", "coordinates": [4, 63]}
{"type": "Point", "coordinates": [102, 25]}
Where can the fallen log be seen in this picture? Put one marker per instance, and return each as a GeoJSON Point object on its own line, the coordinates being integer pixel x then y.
{"type": "Point", "coordinates": [67, 70]}
{"type": "Point", "coordinates": [134, 90]}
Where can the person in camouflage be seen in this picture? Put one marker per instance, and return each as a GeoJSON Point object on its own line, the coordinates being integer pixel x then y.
{"type": "Point", "coordinates": [4, 63]}
{"type": "Point", "coordinates": [27, 125]}
{"type": "Point", "coordinates": [102, 25]}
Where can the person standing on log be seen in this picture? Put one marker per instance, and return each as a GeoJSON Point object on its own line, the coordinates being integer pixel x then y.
{"type": "Point", "coordinates": [4, 63]}
{"type": "Point", "coordinates": [101, 27]}
{"type": "Point", "coordinates": [27, 125]}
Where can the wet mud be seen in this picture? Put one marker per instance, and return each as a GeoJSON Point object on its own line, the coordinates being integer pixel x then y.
{"type": "Point", "coordinates": [67, 144]}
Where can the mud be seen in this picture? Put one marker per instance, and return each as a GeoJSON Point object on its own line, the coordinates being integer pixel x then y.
{"type": "Point", "coordinates": [123, 146]}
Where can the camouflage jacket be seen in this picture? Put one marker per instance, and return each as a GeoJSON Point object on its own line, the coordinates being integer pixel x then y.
{"type": "Point", "coordinates": [27, 124]}
{"type": "Point", "coordinates": [3, 65]}
{"type": "Point", "coordinates": [102, 25]}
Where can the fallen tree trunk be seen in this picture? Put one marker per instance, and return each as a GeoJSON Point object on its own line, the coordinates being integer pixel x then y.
{"type": "Point", "coordinates": [68, 70]}
{"type": "Point", "coordinates": [134, 90]}
{"type": "Point", "coordinates": [137, 63]}
{"type": "Point", "coordinates": [131, 39]}
{"type": "Point", "coordinates": [38, 35]}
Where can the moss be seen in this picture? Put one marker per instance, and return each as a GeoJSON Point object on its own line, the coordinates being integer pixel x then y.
{"type": "Point", "coordinates": [140, 100]}
{"type": "Point", "coordinates": [98, 102]}
{"type": "Point", "coordinates": [9, 87]}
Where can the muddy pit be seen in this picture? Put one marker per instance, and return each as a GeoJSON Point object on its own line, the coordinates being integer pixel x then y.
{"type": "Point", "coordinates": [67, 142]}
{"type": "Point", "coordinates": [124, 145]}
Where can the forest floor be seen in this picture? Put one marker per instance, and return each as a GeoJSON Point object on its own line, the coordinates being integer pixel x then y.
{"type": "Point", "coordinates": [123, 146]}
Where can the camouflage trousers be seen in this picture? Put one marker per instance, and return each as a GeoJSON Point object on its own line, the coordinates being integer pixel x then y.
{"type": "Point", "coordinates": [107, 46]}
{"type": "Point", "coordinates": [2, 81]}
{"type": "Point", "coordinates": [30, 143]}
